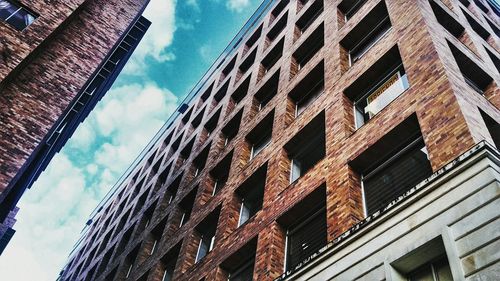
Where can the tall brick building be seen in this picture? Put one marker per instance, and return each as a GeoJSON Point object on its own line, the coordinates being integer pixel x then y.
{"type": "Point", "coordinates": [57, 60]}
{"type": "Point", "coordinates": [332, 140]}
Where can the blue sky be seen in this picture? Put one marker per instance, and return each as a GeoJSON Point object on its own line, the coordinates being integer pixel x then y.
{"type": "Point", "coordinates": [184, 40]}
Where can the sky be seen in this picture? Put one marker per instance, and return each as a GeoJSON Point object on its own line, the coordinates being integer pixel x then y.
{"type": "Point", "coordinates": [185, 38]}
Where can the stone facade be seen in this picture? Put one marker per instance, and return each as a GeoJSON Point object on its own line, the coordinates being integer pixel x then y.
{"type": "Point", "coordinates": [448, 110]}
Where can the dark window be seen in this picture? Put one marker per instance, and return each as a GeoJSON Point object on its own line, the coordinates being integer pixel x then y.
{"type": "Point", "coordinates": [197, 120]}
{"type": "Point", "coordinates": [310, 47]}
{"type": "Point", "coordinates": [349, 7]}
{"type": "Point", "coordinates": [207, 93]}
{"type": "Point", "coordinates": [393, 165]}
{"type": "Point", "coordinates": [494, 27]}
{"type": "Point", "coordinates": [232, 127]}
{"type": "Point", "coordinates": [273, 56]}
{"type": "Point", "coordinates": [474, 75]}
{"type": "Point", "coordinates": [251, 194]}
{"type": "Point", "coordinates": [177, 143]}
{"type": "Point", "coordinates": [367, 33]}
{"type": "Point", "coordinates": [253, 39]}
{"type": "Point", "coordinates": [261, 135]}
{"type": "Point", "coordinates": [239, 266]}
{"type": "Point", "coordinates": [493, 127]}
{"type": "Point", "coordinates": [446, 20]}
{"type": "Point", "coordinates": [310, 16]}
{"type": "Point", "coordinates": [17, 16]}
{"type": "Point", "coordinates": [206, 231]}
{"type": "Point", "coordinates": [477, 27]}
{"type": "Point", "coordinates": [129, 262]}
{"type": "Point", "coordinates": [248, 62]}
{"type": "Point", "coordinates": [306, 228]}
{"type": "Point", "coordinates": [186, 151]}
{"type": "Point", "coordinates": [173, 188]}
{"type": "Point", "coordinates": [311, 87]}
{"type": "Point", "coordinates": [438, 270]}
{"type": "Point", "coordinates": [200, 160]}
{"type": "Point", "coordinates": [268, 91]}
{"type": "Point", "coordinates": [220, 173]}
{"type": "Point", "coordinates": [377, 87]}
{"type": "Point", "coordinates": [481, 6]}
{"type": "Point", "coordinates": [222, 92]}
{"type": "Point", "coordinates": [279, 8]}
{"type": "Point", "coordinates": [186, 117]}
{"type": "Point", "coordinates": [228, 69]}
{"type": "Point", "coordinates": [307, 147]}
{"type": "Point", "coordinates": [212, 122]}
{"type": "Point", "coordinates": [156, 235]}
{"type": "Point", "coordinates": [186, 206]}
{"type": "Point", "coordinates": [242, 91]}
{"type": "Point", "coordinates": [277, 28]}
{"type": "Point", "coordinates": [168, 261]}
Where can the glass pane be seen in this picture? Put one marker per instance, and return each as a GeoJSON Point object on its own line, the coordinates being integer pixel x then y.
{"type": "Point", "coordinates": [386, 93]}
{"type": "Point", "coordinates": [202, 250]}
{"type": "Point", "coordinates": [295, 172]}
{"type": "Point", "coordinates": [7, 9]}
{"type": "Point", "coordinates": [244, 214]}
{"type": "Point", "coordinates": [21, 19]}
{"type": "Point", "coordinates": [167, 276]}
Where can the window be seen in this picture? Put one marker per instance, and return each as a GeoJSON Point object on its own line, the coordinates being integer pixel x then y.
{"type": "Point", "coordinates": [253, 39]}
{"type": "Point", "coordinates": [377, 87]}
{"type": "Point", "coordinates": [186, 151]}
{"type": "Point", "coordinates": [186, 206]}
{"type": "Point", "coordinates": [168, 261]}
{"type": "Point", "coordinates": [493, 127]}
{"type": "Point", "coordinates": [473, 75]}
{"type": "Point", "coordinates": [212, 122]}
{"type": "Point", "coordinates": [277, 29]}
{"type": "Point", "coordinates": [261, 135]}
{"type": "Point", "coordinates": [232, 127]}
{"type": "Point", "coordinates": [17, 16]}
{"type": "Point", "coordinates": [427, 262]}
{"type": "Point", "coordinates": [311, 87]}
{"type": "Point", "coordinates": [222, 92]}
{"type": "Point", "coordinates": [156, 235]}
{"type": "Point", "coordinates": [494, 58]}
{"type": "Point", "coordinates": [477, 27]}
{"type": "Point", "coordinates": [251, 194]}
{"type": "Point", "coordinates": [220, 173]}
{"type": "Point", "coordinates": [447, 20]}
{"type": "Point", "coordinates": [240, 93]}
{"type": "Point", "coordinates": [206, 232]}
{"type": "Point", "coordinates": [367, 33]}
{"type": "Point", "coordinates": [307, 147]}
{"type": "Point", "coordinates": [200, 160]}
{"type": "Point", "coordinates": [310, 16]}
{"type": "Point", "coordinates": [308, 49]}
{"type": "Point", "coordinates": [173, 188]}
{"type": "Point", "coordinates": [228, 69]}
{"type": "Point", "coordinates": [273, 56]}
{"type": "Point", "coordinates": [494, 27]}
{"type": "Point", "coordinates": [393, 165]}
{"type": "Point", "coordinates": [305, 228]}
{"type": "Point", "coordinates": [481, 6]}
{"type": "Point", "coordinates": [197, 120]}
{"type": "Point", "coordinates": [349, 7]}
{"type": "Point", "coordinates": [129, 262]}
{"type": "Point", "coordinates": [187, 116]}
{"type": "Point", "coordinates": [278, 9]}
{"type": "Point", "coordinates": [268, 91]}
{"type": "Point", "coordinates": [239, 266]}
{"type": "Point", "coordinates": [247, 63]}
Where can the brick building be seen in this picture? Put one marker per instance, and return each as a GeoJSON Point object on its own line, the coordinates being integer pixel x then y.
{"type": "Point", "coordinates": [57, 60]}
{"type": "Point", "coordinates": [332, 140]}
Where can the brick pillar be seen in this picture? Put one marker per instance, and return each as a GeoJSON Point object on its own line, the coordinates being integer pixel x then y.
{"type": "Point", "coordinates": [270, 253]}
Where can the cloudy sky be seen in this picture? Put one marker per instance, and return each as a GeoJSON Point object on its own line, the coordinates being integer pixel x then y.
{"type": "Point", "coordinates": [184, 40]}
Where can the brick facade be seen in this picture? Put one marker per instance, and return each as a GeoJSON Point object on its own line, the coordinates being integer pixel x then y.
{"type": "Point", "coordinates": [447, 109]}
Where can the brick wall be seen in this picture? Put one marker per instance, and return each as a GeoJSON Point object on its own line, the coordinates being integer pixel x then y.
{"type": "Point", "coordinates": [447, 110]}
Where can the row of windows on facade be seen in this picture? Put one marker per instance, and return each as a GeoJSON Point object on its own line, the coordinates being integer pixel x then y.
{"type": "Point", "coordinates": [375, 95]}
{"type": "Point", "coordinates": [16, 15]}
{"type": "Point", "coordinates": [391, 83]}
{"type": "Point", "coordinates": [385, 175]}
{"type": "Point", "coordinates": [358, 42]}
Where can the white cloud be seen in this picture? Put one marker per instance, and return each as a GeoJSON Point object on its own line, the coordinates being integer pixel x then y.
{"type": "Point", "coordinates": [206, 53]}
{"type": "Point", "coordinates": [158, 38]}
{"type": "Point", "coordinates": [237, 5]}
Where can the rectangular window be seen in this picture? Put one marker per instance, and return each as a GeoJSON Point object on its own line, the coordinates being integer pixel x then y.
{"type": "Point", "coordinates": [447, 20]}
{"type": "Point", "coordinates": [156, 235]}
{"type": "Point", "coordinates": [307, 147]}
{"type": "Point", "coordinates": [476, 26]}
{"type": "Point", "coordinates": [261, 135]}
{"type": "Point", "coordinates": [267, 92]}
{"type": "Point", "coordinates": [309, 48]}
{"type": "Point", "coordinates": [366, 33]}
{"type": "Point", "coordinates": [349, 7]}
{"type": "Point", "coordinates": [473, 75]}
{"type": "Point", "coordinates": [273, 56]}
{"type": "Point", "coordinates": [253, 39]}
{"type": "Point", "coordinates": [305, 228]}
{"type": "Point", "coordinates": [310, 88]}
{"type": "Point", "coordinates": [186, 206]}
{"type": "Point", "coordinates": [393, 165]}
{"type": "Point", "coordinates": [493, 127]}
{"type": "Point", "coordinates": [377, 87]}
{"type": "Point", "coordinates": [310, 16]}
{"type": "Point", "coordinates": [232, 127]}
{"type": "Point", "coordinates": [200, 161]}
{"type": "Point", "coordinates": [277, 29]}
{"type": "Point", "coordinates": [212, 122]}
{"type": "Point", "coordinates": [278, 9]}
{"type": "Point", "coordinates": [220, 173]}
{"type": "Point", "coordinates": [251, 194]}
{"type": "Point", "coordinates": [240, 93]}
{"type": "Point", "coordinates": [438, 270]}
{"type": "Point", "coordinates": [15, 15]}
{"type": "Point", "coordinates": [206, 231]}
{"type": "Point", "coordinates": [239, 266]}
{"type": "Point", "coordinates": [168, 261]}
